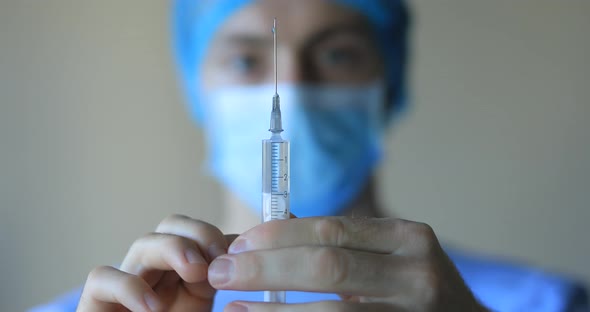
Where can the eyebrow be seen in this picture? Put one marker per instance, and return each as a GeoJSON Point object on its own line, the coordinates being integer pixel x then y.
{"type": "Point", "coordinates": [256, 40]}
{"type": "Point", "coordinates": [357, 28]}
{"type": "Point", "coordinates": [247, 39]}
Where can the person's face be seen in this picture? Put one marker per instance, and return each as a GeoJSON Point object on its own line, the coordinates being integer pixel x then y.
{"type": "Point", "coordinates": [319, 42]}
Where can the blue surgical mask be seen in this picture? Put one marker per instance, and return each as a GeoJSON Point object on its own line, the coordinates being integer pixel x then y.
{"type": "Point", "coordinates": [335, 134]}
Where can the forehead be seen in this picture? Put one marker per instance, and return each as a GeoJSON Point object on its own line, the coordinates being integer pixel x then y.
{"type": "Point", "coordinates": [296, 20]}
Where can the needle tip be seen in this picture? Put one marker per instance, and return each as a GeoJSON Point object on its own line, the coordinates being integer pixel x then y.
{"type": "Point", "coordinates": [274, 25]}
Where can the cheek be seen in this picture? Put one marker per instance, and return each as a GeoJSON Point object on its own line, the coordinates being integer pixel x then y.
{"type": "Point", "coordinates": [208, 76]}
{"type": "Point", "coordinates": [219, 72]}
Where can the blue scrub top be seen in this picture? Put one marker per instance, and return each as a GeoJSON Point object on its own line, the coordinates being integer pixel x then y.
{"type": "Point", "coordinates": [499, 285]}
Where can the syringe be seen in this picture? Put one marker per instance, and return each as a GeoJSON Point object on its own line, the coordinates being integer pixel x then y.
{"type": "Point", "coordinates": [275, 170]}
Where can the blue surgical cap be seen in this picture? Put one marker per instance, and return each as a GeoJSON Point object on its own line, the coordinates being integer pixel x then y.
{"type": "Point", "coordinates": [194, 23]}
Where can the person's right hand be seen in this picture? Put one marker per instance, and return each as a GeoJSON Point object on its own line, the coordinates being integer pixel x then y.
{"type": "Point", "coordinates": [162, 271]}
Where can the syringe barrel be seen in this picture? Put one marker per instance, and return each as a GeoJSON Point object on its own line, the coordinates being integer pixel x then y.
{"type": "Point", "coordinates": [275, 178]}
{"type": "Point", "coordinates": [275, 190]}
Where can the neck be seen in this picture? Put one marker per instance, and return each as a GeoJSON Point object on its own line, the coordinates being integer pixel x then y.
{"type": "Point", "coordinates": [239, 218]}
{"type": "Point", "coordinates": [366, 205]}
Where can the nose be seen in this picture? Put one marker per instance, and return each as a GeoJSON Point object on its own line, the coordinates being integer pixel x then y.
{"type": "Point", "coordinates": [292, 68]}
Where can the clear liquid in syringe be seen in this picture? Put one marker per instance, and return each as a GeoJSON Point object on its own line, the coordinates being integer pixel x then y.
{"type": "Point", "coordinates": [275, 188]}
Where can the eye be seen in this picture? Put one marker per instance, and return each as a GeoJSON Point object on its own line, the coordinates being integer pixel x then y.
{"type": "Point", "coordinates": [244, 64]}
{"type": "Point", "coordinates": [345, 58]}
{"type": "Point", "coordinates": [340, 57]}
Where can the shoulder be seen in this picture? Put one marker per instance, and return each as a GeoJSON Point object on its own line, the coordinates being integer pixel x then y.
{"type": "Point", "coordinates": [64, 303]}
{"type": "Point", "coordinates": [506, 286]}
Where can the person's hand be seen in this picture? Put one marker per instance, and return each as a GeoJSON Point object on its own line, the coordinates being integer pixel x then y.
{"type": "Point", "coordinates": [163, 271]}
{"type": "Point", "coordinates": [373, 264]}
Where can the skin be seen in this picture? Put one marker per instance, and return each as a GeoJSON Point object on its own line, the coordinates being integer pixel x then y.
{"type": "Point", "coordinates": [375, 264]}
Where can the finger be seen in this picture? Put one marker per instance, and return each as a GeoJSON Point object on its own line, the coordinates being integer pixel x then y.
{"type": "Point", "coordinates": [107, 288]}
{"type": "Point", "coordinates": [209, 238]}
{"type": "Point", "coordinates": [378, 235]}
{"type": "Point", "coordinates": [325, 306]}
{"type": "Point", "coordinates": [315, 269]}
{"type": "Point", "coordinates": [159, 252]}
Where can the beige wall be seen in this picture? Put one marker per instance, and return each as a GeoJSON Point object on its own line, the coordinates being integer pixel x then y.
{"type": "Point", "coordinates": [96, 147]}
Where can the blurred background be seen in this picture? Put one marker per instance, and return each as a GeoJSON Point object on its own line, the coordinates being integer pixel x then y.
{"type": "Point", "coordinates": [96, 147]}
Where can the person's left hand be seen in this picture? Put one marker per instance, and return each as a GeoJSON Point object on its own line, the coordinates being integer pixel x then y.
{"type": "Point", "coordinates": [373, 264]}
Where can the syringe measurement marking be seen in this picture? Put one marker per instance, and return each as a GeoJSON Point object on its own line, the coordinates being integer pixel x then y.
{"type": "Point", "coordinates": [275, 181]}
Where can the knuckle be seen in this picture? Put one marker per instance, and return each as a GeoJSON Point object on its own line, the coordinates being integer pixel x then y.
{"type": "Point", "coordinates": [154, 241]}
{"type": "Point", "coordinates": [152, 249]}
{"type": "Point", "coordinates": [176, 242]}
{"type": "Point", "coordinates": [172, 219]}
{"type": "Point", "coordinates": [129, 281]}
{"type": "Point", "coordinates": [97, 273]}
{"type": "Point", "coordinates": [330, 266]}
{"type": "Point", "coordinates": [330, 231]}
{"type": "Point", "coordinates": [419, 228]}
{"type": "Point", "coordinates": [426, 231]}
{"type": "Point", "coordinates": [203, 229]}
{"type": "Point", "coordinates": [187, 226]}
{"type": "Point", "coordinates": [122, 279]}
{"type": "Point", "coordinates": [137, 245]}
{"type": "Point", "coordinates": [423, 235]}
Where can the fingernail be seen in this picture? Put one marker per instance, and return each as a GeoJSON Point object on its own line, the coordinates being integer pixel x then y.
{"type": "Point", "coordinates": [239, 245]}
{"type": "Point", "coordinates": [215, 250]}
{"type": "Point", "coordinates": [221, 271]}
{"type": "Point", "coordinates": [152, 302]}
{"type": "Point", "coordinates": [236, 307]}
{"type": "Point", "coordinates": [193, 257]}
